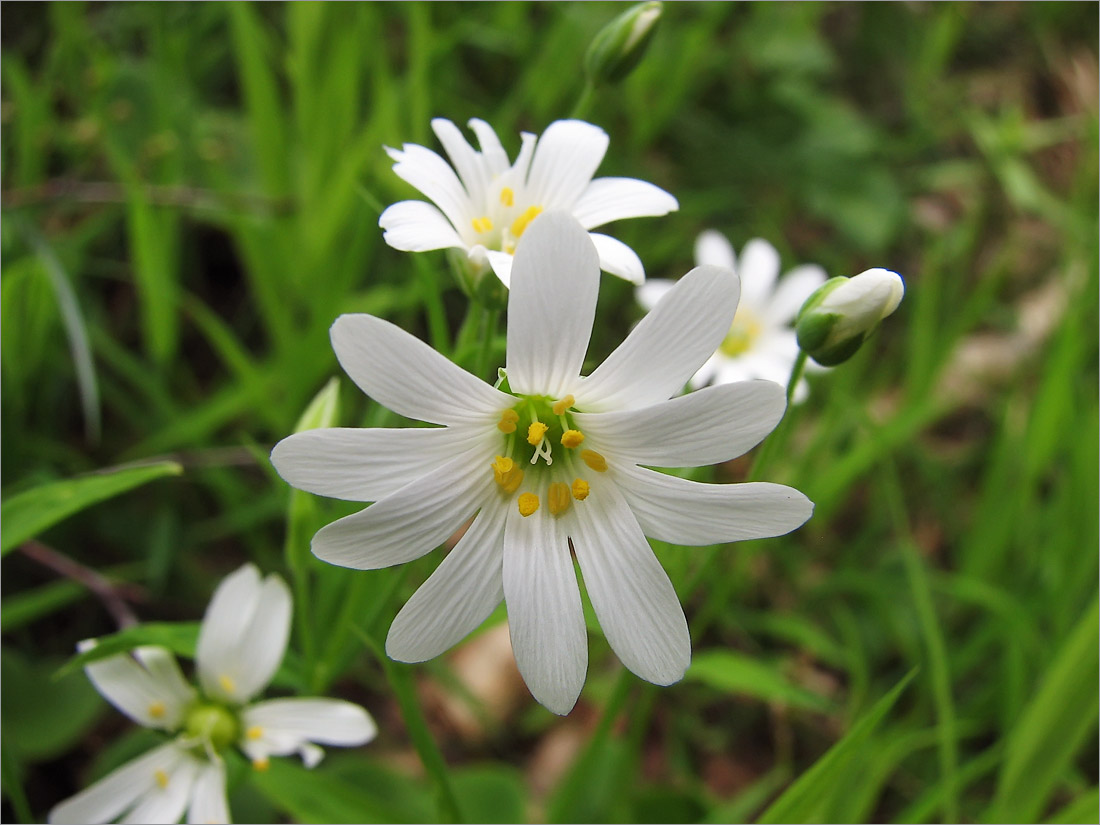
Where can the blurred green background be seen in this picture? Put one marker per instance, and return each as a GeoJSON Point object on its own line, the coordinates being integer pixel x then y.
{"type": "Point", "coordinates": [190, 197]}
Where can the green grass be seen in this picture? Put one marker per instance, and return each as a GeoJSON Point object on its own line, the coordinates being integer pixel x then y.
{"type": "Point", "coordinates": [191, 195]}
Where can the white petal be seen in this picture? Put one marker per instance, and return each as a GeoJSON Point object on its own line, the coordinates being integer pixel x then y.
{"type": "Point", "coordinates": [501, 262]}
{"type": "Point", "coordinates": [147, 686]}
{"type": "Point", "coordinates": [666, 348]}
{"type": "Point", "coordinates": [611, 199]}
{"type": "Point", "coordinates": [471, 168]}
{"type": "Point", "coordinates": [434, 177]}
{"type": "Point", "coordinates": [566, 158]}
{"type": "Point", "coordinates": [243, 635]}
{"type": "Point", "coordinates": [618, 258]}
{"type": "Point", "coordinates": [758, 270]}
{"type": "Point", "coordinates": [411, 521]}
{"type": "Point", "coordinates": [692, 513]}
{"type": "Point", "coordinates": [545, 618]}
{"type": "Point", "coordinates": [495, 157]}
{"type": "Point", "coordinates": [284, 726]}
{"type": "Point", "coordinates": [167, 804]}
{"type": "Point", "coordinates": [551, 306]}
{"type": "Point", "coordinates": [363, 464]}
{"type": "Point", "coordinates": [208, 802]}
{"type": "Point", "coordinates": [704, 427]}
{"type": "Point", "coordinates": [416, 226]}
{"type": "Point", "coordinates": [793, 290]}
{"type": "Point", "coordinates": [714, 249]}
{"type": "Point", "coordinates": [401, 372]}
{"type": "Point", "coordinates": [105, 800]}
{"type": "Point", "coordinates": [652, 291]}
{"type": "Point", "coordinates": [457, 597]}
{"type": "Point", "coordinates": [633, 598]}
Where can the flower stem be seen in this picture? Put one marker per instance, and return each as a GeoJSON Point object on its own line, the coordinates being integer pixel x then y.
{"type": "Point", "coordinates": [779, 435]}
{"type": "Point", "coordinates": [432, 294]}
{"type": "Point", "coordinates": [488, 333]}
{"type": "Point", "coordinates": [399, 677]}
{"type": "Point", "coordinates": [584, 101]}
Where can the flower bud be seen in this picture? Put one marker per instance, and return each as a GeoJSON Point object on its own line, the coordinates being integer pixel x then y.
{"type": "Point", "coordinates": [620, 45]}
{"type": "Point", "coordinates": [842, 312]}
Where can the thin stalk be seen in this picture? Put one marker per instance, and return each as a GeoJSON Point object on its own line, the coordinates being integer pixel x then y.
{"type": "Point", "coordinates": [432, 294]}
{"type": "Point", "coordinates": [400, 679]}
{"type": "Point", "coordinates": [488, 334]}
{"type": "Point", "coordinates": [779, 435]}
{"type": "Point", "coordinates": [584, 102]}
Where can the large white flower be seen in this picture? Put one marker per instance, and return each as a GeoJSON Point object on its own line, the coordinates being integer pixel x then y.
{"type": "Point", "coordinates": [485, 208]}
{"type": "Point", "coordinates": [555, 464]}
{"type": "Point", "coordinates": [241, 643]}
{"type": "Point", "coordinates": [760, 342]}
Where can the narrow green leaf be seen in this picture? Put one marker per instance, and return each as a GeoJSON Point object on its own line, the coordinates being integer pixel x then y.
{"type": "Point", "coordinates": [491, 793]}
{"type": "Point", "coordinates": [23, 608]}
{"type": "Point", "coordinates": [179, 637]}
{"type": "Point", "coordinates": [733, 672]}
{"type": "Point", "coordinates": [803, 801]}
{"type": "Point", "coordinates": [320, 796]}
{"type": "Point", "coordinates": [26, 515]}
{"type": "Point", "coordinates": [1085, 808]}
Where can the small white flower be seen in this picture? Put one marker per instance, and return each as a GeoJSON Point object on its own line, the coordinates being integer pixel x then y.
{"type": "Point", "coordinates": [558, 463]}
{"type": "Point", "coordinates": [485, 208]}
{"type": "Point", "coordinates": [844, 311]}
{"type": "Point", "coordinates": [241, 643]}
{"type": "Point", "coordinates": [761, 341]}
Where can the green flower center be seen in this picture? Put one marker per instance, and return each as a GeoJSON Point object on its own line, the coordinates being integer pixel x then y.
{"type": "Point", "coordinates": [212, 723]}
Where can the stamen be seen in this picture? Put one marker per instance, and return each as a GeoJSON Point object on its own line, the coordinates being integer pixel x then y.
{"type": "Point", "coordinates": [535, 433]}
{"type": "Point", "coordinates": [507, 474]}
{"type": "Point", "coordinates": [528, 503]}
{"type": "Point", "coordinates": [560, 407]}
{"type": "Point", "coordinates": [580, 489]}
{"type": "Point", "coordinates": [572, 438]}
{"type": "Point", "coordinates": [507, 196]}
{"type": "Point", "coordinates": [161, 777]}
{"type": "Point", "coordinates": [156, 710]}
{"type": "Point", "coordinates": [557, 498]}
{"type": "Point", "coordinates": [507, 423]}
{"type": "Point", "coordinates": [482, 225]}
{"type": "Point", "coordinates": [594, 460]}
{"type": "Point", "coordinates": [254, 732]}
{"type": "Point", "coordinates": [227, 683]}
{"type": "Point", "coordinates": [261, 764]}
{"type": "Point", "coordinates": [520, 223]}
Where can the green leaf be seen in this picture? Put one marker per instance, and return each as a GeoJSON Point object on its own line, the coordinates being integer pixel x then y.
{"type": "Point", "coordinates": [23, 608]}
{"type": "Point", "coordinates": [179, 637]}
{"type": "Point", "coordinates": [805, 800]}
{"type": "Point", "coordinates": [490, 793]}
{"type": "Point", "coordinates": [733, 672]}
{"type": "Point", "coordinates": [26, 515]}
{"type": "Point", "coordinates": [1052, 726]}
{"type": "Point", "coordinates": [1084, 808]}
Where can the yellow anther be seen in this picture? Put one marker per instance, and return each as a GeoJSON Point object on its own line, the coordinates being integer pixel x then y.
{"type": "Point", "coordinates": [261, 764]}
{"type": "Point", "coordinates": [156, 710]}
{"type": "Point", "coordinates": [560, 407]}
{"type": "Point", "coordinates": [580, 489]}
{"type": "Point", "coordinates": [594, 460]}
{"type": "Point", "coordinates": [520, 223]}
{"type": "Point", "coordinates": [507, 423]}
{"type": "Point", "coordinates": [484, 224]}
{"type": "Point", "coordinates": [254, 732]}
{"type": "Point", "coordinates": [557, 498]}
{"type": "Point", "coordinates": [227, 683]}
{"type": "Point", "coordinates": [507, 196]}
{"type": "Point", "coordinates": [572, 438]}
{"type": "Point", "coordinates": [528, 503]}
{"type": "Point", "coordinates": [507, 474]}
{"type": "Point", "coordinates": [535, 432]}
{"type": "Point", "coordinates": [161, 777]}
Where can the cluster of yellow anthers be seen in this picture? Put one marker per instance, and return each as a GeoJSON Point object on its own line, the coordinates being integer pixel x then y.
{"type": "Point", "coordinates": [508, 240]}
{"type": "Point", "coordinates": [545, 423]}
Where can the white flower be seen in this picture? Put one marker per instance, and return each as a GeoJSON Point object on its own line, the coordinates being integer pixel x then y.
{"type": "Point", "coordinates": [555, 464]}
{"type": "Point", "coordinates": [844, 311]}
{"type": "Point", "coordinates": [241, 643]}
{"type": "Point", "coordinates": [761, 341]}
{"type": "Point", "coordinates": [487, 206]}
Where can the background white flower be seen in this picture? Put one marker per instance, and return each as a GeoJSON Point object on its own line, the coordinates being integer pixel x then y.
{"type": "Point", "coordinates": [241, 644]}
{"type": "Point", "coordinates": [558, 463]}
{"type": "Point", "coordinates": [761, 341]}
{"type": "Point", "coordinates": [485, 208]}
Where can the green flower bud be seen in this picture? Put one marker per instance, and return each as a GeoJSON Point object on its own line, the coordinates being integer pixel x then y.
{"type": "Point", "coordinates": [620, 45]}
{"type": "Point", "coordinates": [214, 724]}
{"type": "Point", "coordinates": [836, 318]}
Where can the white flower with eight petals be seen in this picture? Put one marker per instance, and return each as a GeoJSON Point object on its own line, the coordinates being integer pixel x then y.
{"type": "Point", "coordinates": [555, 464]}
{"type": "Point", "coordinates": [761, 341]}
{"type": "Point", "coordinates": [241, 643]}
{"type": "Point", "coordinates": [485, 208]}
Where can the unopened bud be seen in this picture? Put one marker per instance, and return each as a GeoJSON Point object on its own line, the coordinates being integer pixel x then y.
{"type": "Point", "coordinates": [621, 44]}
{"type": "Point", "coordinates": [836, 318]}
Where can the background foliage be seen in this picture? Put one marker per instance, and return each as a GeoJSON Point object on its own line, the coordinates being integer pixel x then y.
{"type": "Point", "coordinates": [190, 197]}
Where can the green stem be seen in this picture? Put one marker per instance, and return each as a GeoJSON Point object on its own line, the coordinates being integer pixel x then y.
{"type": "Point", "coordinates": [400, 679]}
{"type": "Point", "coordinates": [584, 101]}
{"type": "Point", "coordinates": [779, 435]}
{"type": "Point", "coordinates": [433, 302]}
{"type": "Point", "coordinates": [488, 334]}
